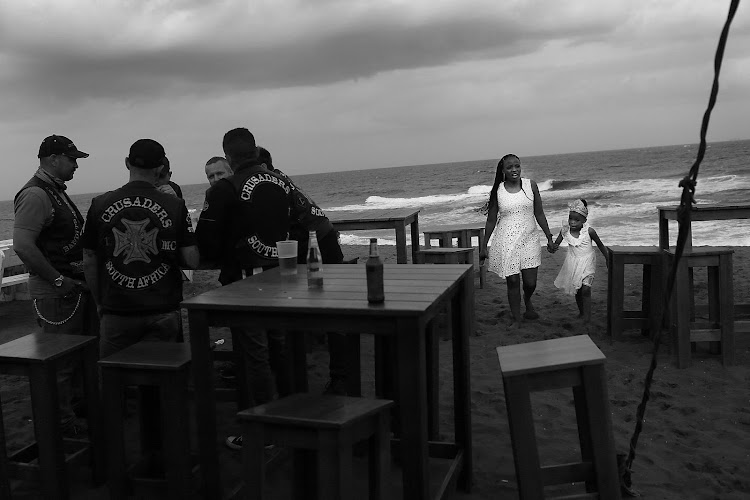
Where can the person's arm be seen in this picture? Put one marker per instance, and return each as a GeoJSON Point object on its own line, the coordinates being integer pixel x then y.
{"type": "Point", "coordinates": [557, 242]}
{"type": "Point", "coordinates": [90, 242]}
{"type": "Point", "coordinates": [541, 219]}
{"type": "Point", "coordinates": [602, 248]}
{"type": "Point", "coordinates": [489, 226]}
{"type": "Point", "coordinates": [30, 210]}
{"type": "Point", "coordinates": [91, 271]}
{"type": "Point", "coordinates": [187, 246]}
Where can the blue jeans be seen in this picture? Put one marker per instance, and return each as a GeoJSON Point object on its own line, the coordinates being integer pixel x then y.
{"type": "Point", "coordinates": [77, 317]}
{"type": "Point", "coordinates": [119, 332]}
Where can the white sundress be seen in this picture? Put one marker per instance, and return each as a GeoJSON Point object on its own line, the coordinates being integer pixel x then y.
{"type": "Point", "coordinates": [515, 242]}
{"type": "Point", "coordinates": [580, 261]}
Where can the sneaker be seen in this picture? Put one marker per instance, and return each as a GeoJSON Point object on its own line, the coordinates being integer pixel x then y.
{"type": "Point", "coordinates": [335, 387]}
{"type": "Point", "coordinates": [235, 443]}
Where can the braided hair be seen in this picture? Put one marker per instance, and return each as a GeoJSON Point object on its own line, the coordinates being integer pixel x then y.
{"type": "Point", "coordinates": [499, 177]}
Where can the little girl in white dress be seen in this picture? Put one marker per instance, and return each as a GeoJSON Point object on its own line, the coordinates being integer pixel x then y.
{"type": "Point", "coordinates": [577, 273]}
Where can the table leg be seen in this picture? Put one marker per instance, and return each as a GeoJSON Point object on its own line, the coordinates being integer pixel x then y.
{"type": "Point", "coordinates": [462, 327]}
{"type": "Point", "coordinates": [176, 436]}
{"type": "Point", "coordinates": [412, 385]}
{"type": "Point", "coordinates": [414, 239]}
{"type": "Point", "coordinates": [114, 404]}
{"type": "Point", "coordinates": [663, 231]}
{"type": "Point", "coordinates": [94, 410]}
{"type": "Point", "coordinates": [4, 476]}
{"type": "Point", "coordinates": [401, 245]}
{"type": "Point", "coordinates": [45, 405]}
{"type": "Point", "coordinates": [205, 404]}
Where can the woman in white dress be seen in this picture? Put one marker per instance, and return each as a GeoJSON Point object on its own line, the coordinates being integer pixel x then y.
{"type": "Point", "coordinates": [515, 208]}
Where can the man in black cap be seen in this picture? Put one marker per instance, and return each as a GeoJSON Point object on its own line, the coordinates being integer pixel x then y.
{"type": "Point", "coordinates": [135, 242]}
{"type": "Point", "coordinates": [47, 238]}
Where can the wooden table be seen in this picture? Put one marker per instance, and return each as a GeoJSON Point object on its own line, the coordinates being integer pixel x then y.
{"type": "Point", "coordinates": [698, 213]}
{"type": "Point", "coordinates": [414, 296]}
{"type": "Point", "coordinates": [705, 213]}
{"type": "Point", "coordinates": [396, 219]}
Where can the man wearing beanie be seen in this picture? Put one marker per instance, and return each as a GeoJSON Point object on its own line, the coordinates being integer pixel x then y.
{"type": "Point", "coordinates": [47, 238]}
{"type": "Point", "coordinates": [135, 242]}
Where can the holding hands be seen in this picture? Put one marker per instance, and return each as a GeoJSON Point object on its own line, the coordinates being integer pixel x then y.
{"type": "Point", "coordinates": [551, 245]}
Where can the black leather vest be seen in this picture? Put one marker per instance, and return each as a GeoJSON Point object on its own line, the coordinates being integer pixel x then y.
{"type": "Point", "coordinates": [60, 242]}
{"type": "Point", "coordinates": [138, 227]}
{"type": "Point", "coordinates": [263, 200]}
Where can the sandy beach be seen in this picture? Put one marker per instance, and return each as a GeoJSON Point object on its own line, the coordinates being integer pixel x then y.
{"type": "Point", "coordinates": [695, 442]}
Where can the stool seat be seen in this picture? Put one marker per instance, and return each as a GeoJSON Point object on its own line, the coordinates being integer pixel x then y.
{"type": "Point", "coordinates": [445, 256]}
{"type": "Point", "coordinates": [543, 356]}
{"type": "Point", "coordinates": [156, 356]}
{"type": "Point", "coordinates": [161, 370]}
{"type": "Point", "coordinates": [314, 411]}
{"type": "Point", "coordinates": [573, 362]}
{"type": "Point", "coordinates": [38, 356]}
{"type": "Point", "coordinates": [719, 329]}
{"type": "Point", "coordinates": [323, 430]}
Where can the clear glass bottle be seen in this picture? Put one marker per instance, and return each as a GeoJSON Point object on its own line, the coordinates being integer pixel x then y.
{"type": "Point", "coordinates": [374, 270]}
{"type": "Point", "coordinates": [314, 263]}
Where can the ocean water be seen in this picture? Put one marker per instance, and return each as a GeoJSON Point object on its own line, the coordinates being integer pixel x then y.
{"type": "Point", "coordinates": [623, 189]}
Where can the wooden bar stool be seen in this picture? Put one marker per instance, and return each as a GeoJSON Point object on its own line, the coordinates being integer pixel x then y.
{"type": "Point", "coordinates": [463, 236]}
{"type": "Point", "coordinates": [38, 356]}
{"type": "Point", "coordinates": [554, 364]}
{"type": "Point", "coordinates": [162, 371]}
{"type": "Point", "coordinates": [720, 325]}
{"type": "Point", "coordinates": [646, 318]}
{"type": "Point", "coordinates": [323, 430]}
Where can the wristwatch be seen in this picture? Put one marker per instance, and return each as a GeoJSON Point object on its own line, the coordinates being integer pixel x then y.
{"type": "Point", "coordinates": [58, 281]}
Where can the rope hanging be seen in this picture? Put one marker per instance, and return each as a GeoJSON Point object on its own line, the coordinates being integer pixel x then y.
{"type": "Point", "coordinates": [683, 219]}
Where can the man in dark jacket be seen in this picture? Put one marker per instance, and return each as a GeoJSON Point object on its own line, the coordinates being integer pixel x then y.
{"type": "Point", "coordinates": [135, 242]}
{"type": "Point", "coordinates": [243, 217]}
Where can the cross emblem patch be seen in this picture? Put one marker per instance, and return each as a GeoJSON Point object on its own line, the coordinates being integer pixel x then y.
{"type": "Point", "coordinates": [135, 242]}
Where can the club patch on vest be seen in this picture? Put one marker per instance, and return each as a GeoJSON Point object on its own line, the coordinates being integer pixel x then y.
{"type": "Point", "coordinates": [135, 242]}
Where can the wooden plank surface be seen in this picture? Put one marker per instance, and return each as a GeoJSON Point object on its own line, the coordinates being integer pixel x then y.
{"type": "Point", "coordinates": [372, 216]}
{"type": "Point", "coordinates": [708, 212]}
{"type": "Point", "coordinates": [408, 288]}
{"type": "Point", "coordinates": [42, 347]}
{"type": "Point", "coordinates": [561, 353]}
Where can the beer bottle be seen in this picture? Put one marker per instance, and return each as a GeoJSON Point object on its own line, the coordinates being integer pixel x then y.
{"type": "Point", "coordinates": [374, 270]}
{"type": "Point", "coordinates": [314, 263]}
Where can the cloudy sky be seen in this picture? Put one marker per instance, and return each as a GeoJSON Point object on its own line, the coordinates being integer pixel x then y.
{"type": "Point", "coordinates": [331, 85]}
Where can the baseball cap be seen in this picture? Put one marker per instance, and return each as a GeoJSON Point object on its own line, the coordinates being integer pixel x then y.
{"type": "Point", "coordinates": [59, 145]}
{"type": "Point", "coordinates": [147, 153]}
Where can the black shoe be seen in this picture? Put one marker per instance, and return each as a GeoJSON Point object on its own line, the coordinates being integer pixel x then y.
{"type": "Point", "coordinates": [336, 387]}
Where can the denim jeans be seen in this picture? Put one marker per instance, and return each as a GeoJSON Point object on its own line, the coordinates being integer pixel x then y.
{"type": "Point", "coordinates": [77, 317]}
{"type": "Point", "coordinates": [119, 331]}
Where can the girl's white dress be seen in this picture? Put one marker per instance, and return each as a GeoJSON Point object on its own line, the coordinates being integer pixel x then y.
{"type": "Point", "coordinates": [515, 242]}
{"type": "Point", "coordinates": [580, 261]}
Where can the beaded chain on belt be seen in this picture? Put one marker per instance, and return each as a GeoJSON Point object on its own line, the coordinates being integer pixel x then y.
{"type": "Point", "coordinates": [58, 323]}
